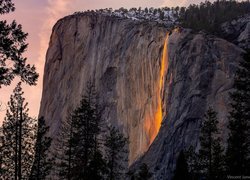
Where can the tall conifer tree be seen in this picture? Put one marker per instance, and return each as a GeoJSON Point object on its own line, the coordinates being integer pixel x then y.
{"type": "Point", "coordinates": [144, 173]}
{"type": "Point", "coordinates": [18, 138]}
{"type": "Point", "coordinates": [211, 152]}
{"type": "Point", "coordinates": [209, 162]}
{"type": "Point", "coordinates": [42, 163]}
{"type": "Point", "coordinates": [116, 154]}
{"type": "Point", "coordinates": [82, 158]}
{"type": "Point", "coordinates": [181, 170]}
{"type": "Point", "coordinates": [238, 151]}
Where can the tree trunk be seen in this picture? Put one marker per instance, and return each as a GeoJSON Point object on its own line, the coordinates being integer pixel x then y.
{"type": "Point", "coordinates": [39, 159]}
{"type": "Point", "coordinates": [70, 149]}
{"type": "Point", "coordinates": [16, 146]}
{"type": "Point", "coordinates": [20, 146]}
{"type": "Point", "coordinates": [210, 156]}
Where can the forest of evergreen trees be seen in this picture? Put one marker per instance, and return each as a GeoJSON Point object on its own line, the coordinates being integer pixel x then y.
{"type": "Point", "coordinates": [210, 16]}
{"type": "Point", "coordinates": [87, 148]}
{"type": "Point", "coordinates": [207, 16]}
{"type": "Point", "coordinates": [79, 152]}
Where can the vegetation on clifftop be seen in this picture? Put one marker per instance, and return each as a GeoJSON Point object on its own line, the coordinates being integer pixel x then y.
{"type": "Point", "coordinates": [206, 16]}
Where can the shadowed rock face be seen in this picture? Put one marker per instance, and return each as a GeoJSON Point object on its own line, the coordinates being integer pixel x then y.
{"type": "Point", "coordinates": [237, 31]}
{"type": "Point", "coordinates": [200, 74]}
{"type": "Point", "coordinates": [134, 72]}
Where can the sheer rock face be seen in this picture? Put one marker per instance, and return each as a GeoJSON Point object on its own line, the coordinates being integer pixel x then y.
{"type": "Point", "coordinates": [200, 74]}
{"type": "Point", "coordinates": [125, 59]}
{"type": "Point", "coordinates": [122, 56]}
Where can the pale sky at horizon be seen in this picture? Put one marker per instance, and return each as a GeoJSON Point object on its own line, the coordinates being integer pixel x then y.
{"type": "Point", "coordinates": [38, 17]}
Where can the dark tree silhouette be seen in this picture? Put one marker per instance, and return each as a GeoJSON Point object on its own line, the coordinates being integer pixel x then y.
{"type": "Point", "coordinates": [181, 170]}
{"type": "Point", "coordinates": [116, 153]}
{"type": "Point", "coordinates": [42, 163]}
{"type": "Point", "coordinates": [220, 11]}
{"type": "Point", "coordinates": [12, 46]}
{"type": "Point", "coordinates": [193, 162]}
{"type": "Point", "coordinates": [18, 135]}
{"type": "Point", "coordinates": [63, 150]}
{"type": "Point", "coordinates": [144, 173]}
{"type": "Point", "coordinates": [1, 152]}
{"type": "Point", "coordinates": [209, 162]}
{"type": "Point", "coordinates": [238, 151]}
{"type": "Point", "coordinates": [6, 6]}
{"type": "Point", "coordinates": [82, 158]}
{"type": "Point", "coordinates": [211, 151]}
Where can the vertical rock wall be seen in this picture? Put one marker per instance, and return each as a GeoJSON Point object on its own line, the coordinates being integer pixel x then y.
{"type": "Point", "coordinates": [200, 74]}
{"type": "Point", "coordinates": [123, 57]}
{"type": "Point", "coordinates": [142, 75]}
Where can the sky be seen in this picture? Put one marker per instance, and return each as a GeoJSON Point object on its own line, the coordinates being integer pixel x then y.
{"type": "Point", "coordinates": [38, 17]}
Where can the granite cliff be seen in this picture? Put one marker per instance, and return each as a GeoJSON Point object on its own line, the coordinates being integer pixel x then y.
{"type": "Point", "coordinates": [200, 74]}
{"type": "Point", "coordinates": [154, 83]}
{"type": "Point", "coordinates": [123, 57]}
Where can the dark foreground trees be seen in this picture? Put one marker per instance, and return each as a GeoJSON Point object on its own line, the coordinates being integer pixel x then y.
{"type": "Point", "coordinates": [181, 171]}
{"type": "Point", "coordinates": [209, 162]}
{"type": "Point", "coordinates": [115, 154]}
{"type": "Point", "coordinates": [83, 151]}
{"type": "Point", "coordinates": [238, 151]}
{"type": "Point", "coordinates": [79, 137]}
{"type": "Point", "coordinates": [42, 162]}
{"type": "Point", "coordinates": [17, 133]}
{"type": "Point", "coordinates": [12, 46]}
{"type": "Point", "coordinates": [211, 151]}
{"type": "Point", "coordinates": [17, 139]}
{"type": "Point", "coordinates": [144, 173]}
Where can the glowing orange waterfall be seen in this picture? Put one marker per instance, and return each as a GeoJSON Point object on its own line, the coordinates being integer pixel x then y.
{"type": "Point", "coordinates": [155, 127]}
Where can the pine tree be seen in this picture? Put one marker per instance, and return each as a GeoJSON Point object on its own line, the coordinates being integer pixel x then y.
{"type": "Point", "coordinates": [195, 16]}
{"type": "Point", "coordinates": [194, 166]}
{"type": "Point", "coordinates": [42, 163]}
{"type": "Point", "coordinates": [81, 146]}
{"type": "Point", "coordinates": [161, 16]}
{"type": "Point", "coordinates": [238, 151]}
{"type": "Point", "coordinates": [116, 153]}
{"type": "Point", "coordinates": [131, 174]}
{"type": "Point", "coordinates": [219, 164]}
{"type": "Point", "coordinates": [144, 173]}
{"type": "Point", "coordinates": [97, 166]}
{"type": "Point", "coordinates": [63, 151]}
{"type": "Point", "coordinates": [82, 158]}
{"type": "Point", "coordinates": [18, 138]}
{"type": "Point", "coordinates": [12, 46]}
{"type": "Point", "coordinates": [210, 153]}
{"type": "Point", "coordinates": [181, 170]}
